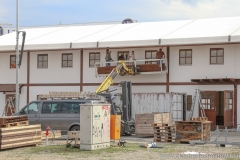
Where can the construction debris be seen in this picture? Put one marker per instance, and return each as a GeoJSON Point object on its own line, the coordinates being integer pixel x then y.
{"type": "Point", "coordinates": [197, 129]}
{"type": "Point", "coordinates": [144, 121]}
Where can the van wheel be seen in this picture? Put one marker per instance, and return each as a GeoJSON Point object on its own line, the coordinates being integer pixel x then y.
{"type": "Point", "coordinates": [75, 128]}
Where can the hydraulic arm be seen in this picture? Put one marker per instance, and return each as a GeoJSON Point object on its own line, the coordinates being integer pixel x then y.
{"type": "Point", "coordinates": [121, 69]}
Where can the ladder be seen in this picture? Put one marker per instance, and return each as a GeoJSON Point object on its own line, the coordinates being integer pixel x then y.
{"type": "Point", "coordinates": [197, 94]}
{"type": "Point", "coordinates": [9, 107]}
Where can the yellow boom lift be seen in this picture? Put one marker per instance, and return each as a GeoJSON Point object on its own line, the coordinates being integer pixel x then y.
{"type": "Point", "coordinates": [121, 69]}
{"type": "Point", "coordinates": [121, 104]}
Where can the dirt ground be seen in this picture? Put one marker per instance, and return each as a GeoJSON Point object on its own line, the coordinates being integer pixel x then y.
{"type": "Point", "coordinates": [132, 150]}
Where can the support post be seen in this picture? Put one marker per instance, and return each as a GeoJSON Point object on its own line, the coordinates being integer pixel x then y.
{"type": "Point", "coordinates": [167, 75]}
{"type": "Point", "coordinates": [17, 59]}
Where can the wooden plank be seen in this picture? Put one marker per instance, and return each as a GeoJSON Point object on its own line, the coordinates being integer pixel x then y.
{"type": "Point", "coordinates": [13, 135]}
{"type": "Point", "coordinates": [20, 144]}
{"type": "Point", "coordinates": [14, 128]}
{"type": "Point", "coordinates": [21, 139]}
{"type": "Point", "coordinates": [21, 123]}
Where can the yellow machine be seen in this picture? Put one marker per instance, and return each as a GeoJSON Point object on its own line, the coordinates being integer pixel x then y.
{"type": "Point", "coordinates": [121, 69]}
{"type": "Point", "coordinates": [121, 104]}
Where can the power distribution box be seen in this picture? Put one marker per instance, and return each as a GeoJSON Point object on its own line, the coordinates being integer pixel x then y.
{"type": "Point", "coordinates": [94, 126]}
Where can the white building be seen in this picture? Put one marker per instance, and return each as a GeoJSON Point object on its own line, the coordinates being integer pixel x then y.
{"type": "Point", "coordinates": [201, 54]}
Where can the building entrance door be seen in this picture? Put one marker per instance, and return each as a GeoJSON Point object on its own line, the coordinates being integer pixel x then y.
{"type": "Point", "coordinates": [209, 104]}
{"type": "Point", "coordinates": [228, 108]}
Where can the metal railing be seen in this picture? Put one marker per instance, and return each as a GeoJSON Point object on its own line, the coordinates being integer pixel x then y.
{"type": "Point", "coordinates": [135, 63]}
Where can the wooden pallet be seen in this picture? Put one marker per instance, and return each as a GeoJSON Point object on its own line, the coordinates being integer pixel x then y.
{"type": "Point", "coordinates": [163, 133]}
{"type": "Point", "coordinates": [199, 119]}
{"type": "Point", "coordinates": [143, 122]}
{"type": "Point", "coordinates": [12, 119]}
{"type": "Point", "coordinates": [21, 123]}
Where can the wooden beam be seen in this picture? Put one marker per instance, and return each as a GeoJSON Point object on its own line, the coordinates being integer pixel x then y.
{"type": "Point", "coordinates": [167, 76]}
{"type": "Point", "coordinates": [235, 105]}
{"type": "Point", "coordinates": [28, 75]}
{"type": "Point", "coordinates": [195, 80]}
{"type": "Point", "coordinates": [81, 71]}
{"type": "Point", "coordinates": [205, 80]}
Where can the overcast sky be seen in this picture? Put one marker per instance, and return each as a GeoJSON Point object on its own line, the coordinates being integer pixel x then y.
{"type": "Point", "coordinates": [52, 12]}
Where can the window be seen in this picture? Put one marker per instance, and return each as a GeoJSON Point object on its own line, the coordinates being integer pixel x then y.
{"type": "Point", "coordinates": [216, 56]}
{"type": "Point", "coordinates": [93, 58]}
{"type": "Point", "coordinates": [42, 61]}
{"type": "Point", "coordinates": [189, 102]}
{"type": "Point", "coordinates": [12, 61]}
{"type": "Point", "coordinates": [123, 55]}
{"type": "Point", "coordinates": [67, 60]}
{"type": "Point", "coordinates": [32, 108]}
{"type": "Point", "coordinates": [229, 100]}
{"type": "Point", "coordinates": [61, 107]}
{"type": "Point", "coordinates": [150, 55]}
{"type": "Point", "coordinates": [207, 100]}
{"type": "Point", "coordinates": [185, 57]}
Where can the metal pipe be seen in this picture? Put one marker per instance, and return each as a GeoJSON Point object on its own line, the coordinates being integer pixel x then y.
{"type": "Point", "coordinates": [17, 59]}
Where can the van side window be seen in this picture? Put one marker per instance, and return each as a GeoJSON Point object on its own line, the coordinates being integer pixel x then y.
{"type": "Point", "coordinates": [52, 107]}
{"type": "Point", "coordinates": [61, 107]}
{"type": "Point", "coordinates": [32, 108]}
{"type": "Point", "coordinates": [72, 107]}
{"type": "Point", "coordinates": [76, 107]}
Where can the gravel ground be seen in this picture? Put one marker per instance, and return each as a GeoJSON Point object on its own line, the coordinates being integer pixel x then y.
{"type": "Point", "coordinates": [58, 151]}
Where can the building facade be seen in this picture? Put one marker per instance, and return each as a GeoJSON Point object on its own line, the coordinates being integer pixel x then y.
{"type": "Point", "coordinates": [209, 64]}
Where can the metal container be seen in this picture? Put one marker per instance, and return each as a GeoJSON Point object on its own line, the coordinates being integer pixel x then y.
{"type": "Point", "coordinates": [94, 126]}
{"type": "Point", "coordinates": [159, 102]}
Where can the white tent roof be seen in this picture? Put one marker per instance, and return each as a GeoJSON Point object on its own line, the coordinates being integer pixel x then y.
{"type": "Point", "coordinates": [202, 31]}
{"type": "Point", "coordinates": [142, 34]}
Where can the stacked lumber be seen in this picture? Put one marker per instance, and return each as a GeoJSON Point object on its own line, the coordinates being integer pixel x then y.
{"type": "Point", "coordinates": [51, 135]}
{"type": "Point", "coordinates": [20, 136]}
{"type": "Point", "coordinates": [197, 129]}
{"type": "Point", "coordinates": [163, 133]}
{"type": "Point", "coordinates": [13, 121]}
{"type": "Point", "coordinates": [143, 122]}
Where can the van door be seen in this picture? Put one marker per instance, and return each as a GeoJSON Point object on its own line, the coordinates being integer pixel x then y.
{"type": "Point", "coordinates": [51, 115]}
{"type": "Point", "coordinates": [228, 108]}
{"type": "Point", "coordinates": [32, 111]}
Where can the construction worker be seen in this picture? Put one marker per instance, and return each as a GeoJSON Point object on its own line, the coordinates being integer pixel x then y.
{"type": "Point", "coordinates": [108, 57]}
{"type": "Point", "coordinates": [160, 55]}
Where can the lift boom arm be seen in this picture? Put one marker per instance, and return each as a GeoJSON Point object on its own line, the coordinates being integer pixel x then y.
{"type": "Point", "coordinates": [108, 81]}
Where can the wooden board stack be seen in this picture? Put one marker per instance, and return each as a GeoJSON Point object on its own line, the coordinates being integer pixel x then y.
{"type": "Point", "coordinates": [163, 133]}
{"type": "Point", "coordinates": [196, 129]}
{"type": "Point", "coordinates": [15, 132]}
{"type": "Point", "coordinates": [143, 122]}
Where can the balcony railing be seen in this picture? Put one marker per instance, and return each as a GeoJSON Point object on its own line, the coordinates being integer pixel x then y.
{"type": "Point", "coordinates": [146, 66]}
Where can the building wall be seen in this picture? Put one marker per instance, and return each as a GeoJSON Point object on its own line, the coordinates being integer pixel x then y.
{"type": "Point", "coordinates": [8, 75]}
{"type": "Point", "coordinates": [2, 103]}
{"type": "Point", "coordinates": [36, 90]}
{"type": "Point", "coordinates": [201, 67]}
{"type": "Point", "coordinates": [55, 73]}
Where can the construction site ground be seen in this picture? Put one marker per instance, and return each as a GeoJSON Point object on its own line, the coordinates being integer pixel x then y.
{"type": "Point", "coordinates": [132, 151]}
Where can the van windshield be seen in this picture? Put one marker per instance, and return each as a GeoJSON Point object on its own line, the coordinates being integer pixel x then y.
{"type": "Point", "coordinates": [61, 107]}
